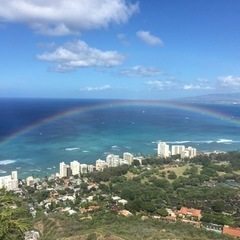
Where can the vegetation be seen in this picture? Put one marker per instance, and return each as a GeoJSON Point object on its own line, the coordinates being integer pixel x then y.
{"type": "Point", "coordinates": [114, 227]}
{"type": "Point", "coordinates": [210, 183]}
{"type": "Point", "coordinates": [14, 218]}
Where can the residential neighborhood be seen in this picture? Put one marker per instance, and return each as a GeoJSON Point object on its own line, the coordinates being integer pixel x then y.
{"type": "Point", "coordinates": [164, 189]}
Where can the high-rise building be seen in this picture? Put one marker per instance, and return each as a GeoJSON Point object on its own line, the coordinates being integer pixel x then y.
{"type": "Point", "coordinates": [128, 157]}
{"type": "Point", "coordinates": [177, 149]}
{"type": "Point", "coordinates": [69, 171]}
{"type": "Point", "coordinates": [163, 149]}
{"type": "Point", "coordinates": [63, 169]}
{"type": "Point", "coordinates": [192, 152]}
{"type": "Point", "coordinates": [30, 181]}
{"type": "Point", "coordinates": [14, 175]}
{"type": "Point", "coordinates": [100, 165]}
{"type": "Point", "coordinates": [185, 154]}
{"type": "Point", "coordinates": [189, 152]}
{"type": "Point", "coordinates": [9, 182]}
{"type": "Point", "coordinates": [83, 168]}
{"type": "Point", "coordinates": [91, 168]}
{"type": "Point", "coordinates": [75, 167]}
{"type": "Point", "coordinates": [112, 160]}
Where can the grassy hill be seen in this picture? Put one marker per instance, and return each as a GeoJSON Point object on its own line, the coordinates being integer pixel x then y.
{"type": "Point", "coordinates": [109, 226]}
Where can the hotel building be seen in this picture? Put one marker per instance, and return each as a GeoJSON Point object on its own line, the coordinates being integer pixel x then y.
{"type": "Point", "coordinates": [64, 170]}
{"type": "Point", "coordinates": [75, 167]}
{"type": "Point", "coordinates": [128, 157]}
{"type": "Point", "coordinates": [177, 149]}
{"type": "Point", "coordinates": [9, 182]}
{"type": "Point", "coordinates": [189, 152]}
{"type": "Point", "coordinates": [100, 165]}
{"type": "Point", "coordinates": [113, 160]}
{"type": "Point", "coordinates": [163, 149]}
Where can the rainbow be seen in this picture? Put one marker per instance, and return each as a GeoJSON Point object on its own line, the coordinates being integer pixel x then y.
{"type": "Point", "coordinates": [123, 103]}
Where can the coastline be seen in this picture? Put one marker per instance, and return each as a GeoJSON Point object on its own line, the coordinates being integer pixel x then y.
{"type": "Point", "coordinates": [47, 137]}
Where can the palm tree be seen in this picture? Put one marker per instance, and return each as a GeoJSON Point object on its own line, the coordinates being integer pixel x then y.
{"type": "Point", "coordinates": [13, 219]}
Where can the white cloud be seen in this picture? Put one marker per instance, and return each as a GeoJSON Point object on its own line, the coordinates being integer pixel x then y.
{"type": "Point", "coordinates": [230, 81]}
{"type": "Point", "coordinates": [196, 87]}
{"type": "Point", "coordinates": [146, 37]}
{"type": "Point", "coordinates": [100, 88]}
{"type": "Point", "coordinates": [61, 17]}
{"type": "Point", "coordinates": [141, 71]}
{"type": "Point", "coordinates": [160, 85]}
{"type": "Point", "coordinates": [77, 54]}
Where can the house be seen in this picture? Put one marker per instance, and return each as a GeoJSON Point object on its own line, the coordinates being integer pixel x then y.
{"type": "Point", "coordinates": [93, 208]}
{"type": "Point", "coordinates": [170, 212]}
{"type": "Point", "coordinates": [194, 223]}
{"type": "Point", "coordinates": [116, 198]}
{"type": "Point", "coordinates": [170, 219]}
{"type": "Point", "coordinates": [89, 209]}
{"type": "Point", "coordinates": [68, 210]}
{"type": "Point", "coordinates": [122, 201]}
{"type": "Point", "coordinates": [31, 235]}
{"type": "Point", "coordinates": [125, 213]}
{"type": "Point", "coordinates": [217, 228]}
{"type": "Point", "coordinates": [189, 213]}
{"type": "Point", "coordinates": [143, 218]}
{"type": "Point", "coordinates": [233, 232]}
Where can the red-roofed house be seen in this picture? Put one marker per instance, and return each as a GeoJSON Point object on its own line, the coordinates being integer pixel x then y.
{"type": "Point", "coordinates": [190, 213]}
{"type": "Point", "coordinates": [234, 232]}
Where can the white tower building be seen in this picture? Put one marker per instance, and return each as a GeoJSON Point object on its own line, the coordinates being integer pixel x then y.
{"type": "Point", "coordinates": [75, 167]}
{"type": "Point", "coordinates": [63, 169]}
{"type": "Point", "coordinates": [192, 152]}
{"type": "Point", "coordinates": [113, 160]}
{"type": "Point", "coordinates": [128, 157]}
{"type": "Point", "coordinates": [177, 149]}
{"type": "Point", "coordinates": [163, 149]}
{"type": "Point", "coordinates": [14, 175]}
{"type": "Point", "coordinates": [83, 168]}
{"type": "Point", "coordinates": [9, 182]}
{"type": "Point", "coordinates": [189, 152]}
{"type": "Point", "coordinates": [100, 165]}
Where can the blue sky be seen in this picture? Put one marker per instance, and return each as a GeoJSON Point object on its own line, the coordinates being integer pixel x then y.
{"type": "Point", "coordinates": [146, 49]}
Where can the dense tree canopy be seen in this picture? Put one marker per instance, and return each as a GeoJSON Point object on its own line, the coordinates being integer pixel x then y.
{"type": "Point", "coordinates": [13, 217]}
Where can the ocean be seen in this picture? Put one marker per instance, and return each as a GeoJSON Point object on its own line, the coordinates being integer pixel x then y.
{"type": "Point", "coordinates": [37, 134]}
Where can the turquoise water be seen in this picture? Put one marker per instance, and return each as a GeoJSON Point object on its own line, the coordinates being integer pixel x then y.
{"type": "Point", "coordinates": [112, 128]}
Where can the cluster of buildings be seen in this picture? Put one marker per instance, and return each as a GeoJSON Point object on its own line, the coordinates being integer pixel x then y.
{"type": "Point", "coordinates": [114, 161]}
{"type": "Point", "coordinates": [75, 168]}
{"type": "Point", "coordinates": [193, 216]}
{"type": "Point", "coordinates": [9, 182]}
{"type": "Point", "coordinates": [184, 152]}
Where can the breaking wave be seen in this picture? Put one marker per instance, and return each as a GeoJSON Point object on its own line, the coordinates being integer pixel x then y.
{"type": "Point", "coordinates": [225, 141]}
{"type": "Point", "coordinates": [7, 161]}
{"type": "Point", "coordinates": [72, 149]}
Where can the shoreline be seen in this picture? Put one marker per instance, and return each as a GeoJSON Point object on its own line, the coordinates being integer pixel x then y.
{"type": "Point", "coordinates": [51, 170]}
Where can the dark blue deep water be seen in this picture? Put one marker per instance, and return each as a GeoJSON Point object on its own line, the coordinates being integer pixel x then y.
{"type": "Point", "coordinates": [34, 142]}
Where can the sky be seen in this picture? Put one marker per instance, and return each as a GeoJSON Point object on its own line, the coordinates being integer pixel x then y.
{"type": "Point", "coordinates": [119, 49]}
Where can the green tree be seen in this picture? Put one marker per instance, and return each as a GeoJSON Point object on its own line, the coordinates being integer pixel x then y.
{"type": "Point", "coordinates": [13, 220]}
{"type": "Point", "coordinates": [172, 175]}
{"type": "Point", "coordinates": [218, 206]}
{"type": "Point", "coordinates": [162, 212]}
{"type": "Point", "coordinates": [136, 163]}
